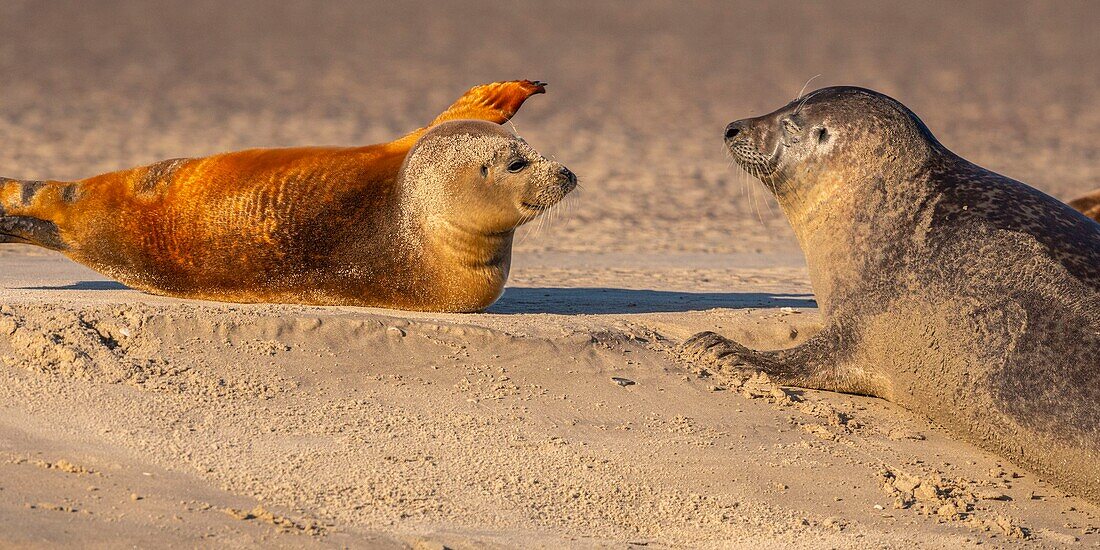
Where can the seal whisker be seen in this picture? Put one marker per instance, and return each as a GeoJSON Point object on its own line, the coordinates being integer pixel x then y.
{"type": "Point", "coordinates": [752, 193]}
{"type": "Point", "coordinates": [746, 175]}
{"type": "Point", "coordinates": [803, 90]}
{"type": "Point", "coordinates": [804, 100]}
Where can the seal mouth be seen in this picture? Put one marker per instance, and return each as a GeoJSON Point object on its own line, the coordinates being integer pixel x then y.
{"type": "Point", "coordinates": [548, 198]}
{"type": "Point", "coordinates": [748, 157]}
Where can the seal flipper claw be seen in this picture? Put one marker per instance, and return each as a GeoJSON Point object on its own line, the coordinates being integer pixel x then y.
{"type": "Point", "coordinates": [821, 363]}
{"type": "Point", "coordinates": [21, 229]}
{"type": "Point", "coordinates": [724, 355]}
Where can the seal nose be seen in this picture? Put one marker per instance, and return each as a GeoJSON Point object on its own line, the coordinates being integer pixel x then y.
{"type": "Point", "coordinates": [734, 128]}
{"type": "Point", "coordinates": [569, 176]}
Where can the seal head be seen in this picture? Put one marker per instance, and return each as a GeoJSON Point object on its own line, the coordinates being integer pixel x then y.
{"type": "Point", "coordinates": [834, 135]}
{"type": "Point", "coordinates": [479, 176]}
{"type": "Point", "coordinates": [464, 188]}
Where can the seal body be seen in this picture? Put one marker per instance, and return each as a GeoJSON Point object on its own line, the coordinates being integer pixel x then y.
{"type": "Point", "coordinates": [311, 225]}
{"type": "Point", "coordinates": [947, 288]}
{"type": "Point", "coordinates": [1088, 205]}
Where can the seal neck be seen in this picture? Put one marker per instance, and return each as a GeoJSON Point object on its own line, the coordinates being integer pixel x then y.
{"type": "Point", "coordinates": [460, 265]}
{"type": "Point", "coordinates": [856, 232]}
{"type": "Point", "coordinates": [466, 246]}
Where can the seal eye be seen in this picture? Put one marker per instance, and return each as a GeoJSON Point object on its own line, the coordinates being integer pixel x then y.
{"type": "Point", "coordinates": [822, 135]}
{"type": "Point", "coordinates": [517, 165]}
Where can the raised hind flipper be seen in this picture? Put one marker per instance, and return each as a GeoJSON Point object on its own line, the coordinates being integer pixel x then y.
{"type": "Point", "coordinates": [496, 102]}
{"type": "Point", "coordinates": [24, 213]}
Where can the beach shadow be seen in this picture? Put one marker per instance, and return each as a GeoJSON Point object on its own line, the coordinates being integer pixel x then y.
{"type": "Point", "coordinates": [83, 285]}
{"type": "Point", "coordinates": [594, 301]}
{"type": "Point", "coordinates": [566, 301]}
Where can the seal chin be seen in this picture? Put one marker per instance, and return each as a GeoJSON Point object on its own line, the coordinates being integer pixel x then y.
{"type": "Point", "coordinates": [537, 207]}
{"type": "Point", "coordinates": [552, 195]}
{"type": "Point", "coordinates": [543, 202]}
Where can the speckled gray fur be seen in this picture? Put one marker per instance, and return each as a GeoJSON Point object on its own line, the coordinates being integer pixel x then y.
{"type": "Point", "coordinates": [947, 288]}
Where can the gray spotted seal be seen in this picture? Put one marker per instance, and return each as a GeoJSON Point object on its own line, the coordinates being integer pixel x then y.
{"type": "Point", "coordinates": [951, 290]}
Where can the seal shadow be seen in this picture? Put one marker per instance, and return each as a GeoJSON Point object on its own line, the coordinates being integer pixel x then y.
{"type": "Point", "coordinates": [567, 301]}
{"type": "Point", "coordinates": [83, 285]}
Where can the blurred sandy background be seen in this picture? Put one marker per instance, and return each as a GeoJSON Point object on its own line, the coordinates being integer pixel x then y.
{"type": "Point", "coordinates": [639, 90]}
{"type": "Point", "coordinates": [665, 238]}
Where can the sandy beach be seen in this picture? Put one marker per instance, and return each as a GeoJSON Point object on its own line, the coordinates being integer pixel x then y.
{"type": "Point", "coordinates": [562, 416]}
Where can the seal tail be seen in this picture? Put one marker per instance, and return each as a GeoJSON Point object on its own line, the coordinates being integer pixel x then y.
{"type": "Point", "coordinates": [26, 208]}
{"type": "Point", "coordinates": [497, 102]}
{"type": "Point", "coordinates": [1088, 205]}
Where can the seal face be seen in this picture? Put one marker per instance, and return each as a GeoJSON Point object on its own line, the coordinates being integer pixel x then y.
{"type": "Point", "coordinates": [473, 171]}
{"type": "Point", "coordinates": [947, 288]}
{"type": "Point", "coordinates": [424, 222]}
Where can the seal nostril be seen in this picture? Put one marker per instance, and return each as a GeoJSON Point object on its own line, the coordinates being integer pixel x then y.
{"type": "Point", "coordinates": [568, 175]}
{"type": "Point", "coordinates": [732, 131]}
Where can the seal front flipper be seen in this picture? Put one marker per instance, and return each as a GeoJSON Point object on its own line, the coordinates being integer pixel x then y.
{"type": "Point", "coordinates": [497, 102]}
{"type": "Point", "coordinates": [820, 363]}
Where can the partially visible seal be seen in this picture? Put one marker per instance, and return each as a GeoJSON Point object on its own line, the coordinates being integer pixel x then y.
{"type": "Point", "coordinates": [1088, 205]}
{"type": "Point", "coordinates": [423, 223]}
{"type": "Point", "coordinates": [949, 289]}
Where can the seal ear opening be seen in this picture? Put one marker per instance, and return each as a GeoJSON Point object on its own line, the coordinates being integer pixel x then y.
{"type": "Point", "coordinates": [822, 135]}
{"type": "Point", "coordinates": [484, 170]}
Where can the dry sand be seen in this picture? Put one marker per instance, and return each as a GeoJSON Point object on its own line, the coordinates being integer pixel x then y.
{"type": "Point", "coordinates": [133, 420]}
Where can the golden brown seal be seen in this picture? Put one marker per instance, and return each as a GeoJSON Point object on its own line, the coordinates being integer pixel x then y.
{"type": "Point", "coordinates": [1088, 205]}
{"type": "Point", "coordinates": [424, 222]}
{"type": "Point", "coordinates": [949, 289]}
